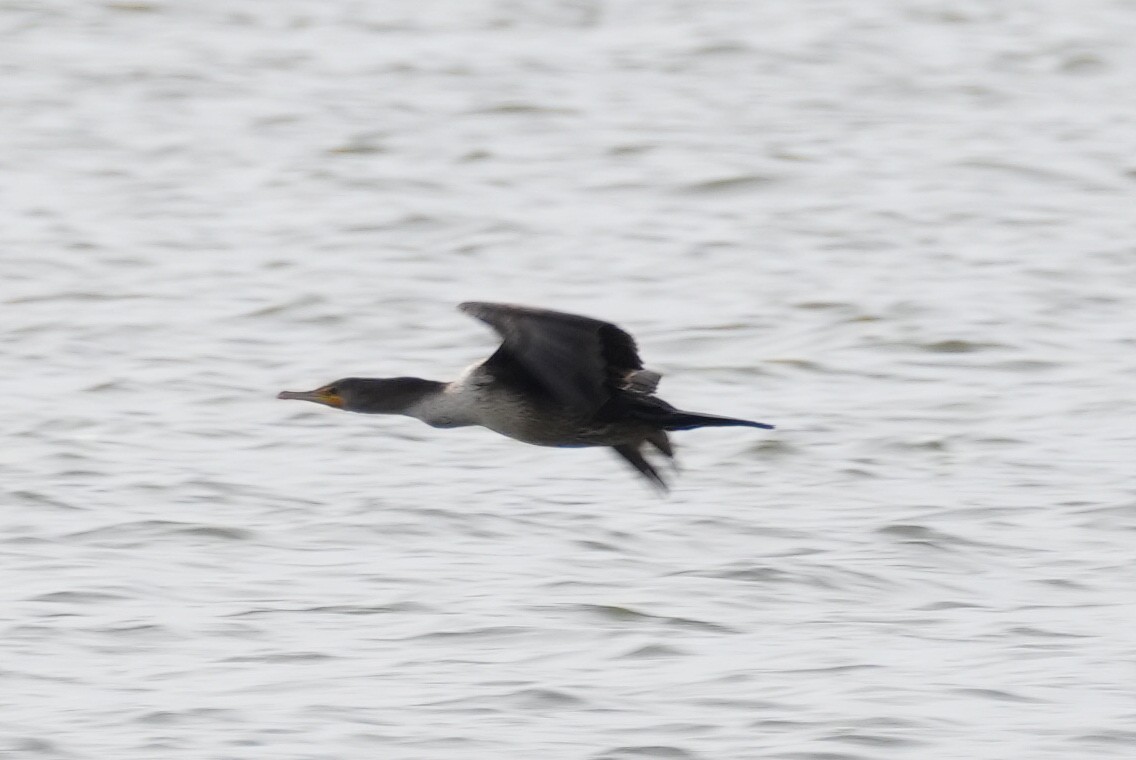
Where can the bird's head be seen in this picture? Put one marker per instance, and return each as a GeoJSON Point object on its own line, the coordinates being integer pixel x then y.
{"type": "Point", "coordinates": [337, 394]}
{"type": "Point", "coordinates": [368, 395]}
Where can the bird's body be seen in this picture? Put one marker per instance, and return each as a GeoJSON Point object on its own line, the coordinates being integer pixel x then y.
{"type": "Point", "coordinates": [556, 380]}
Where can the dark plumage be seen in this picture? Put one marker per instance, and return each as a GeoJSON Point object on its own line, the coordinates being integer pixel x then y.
{"type": "Point", "coordinates": [556, 380]}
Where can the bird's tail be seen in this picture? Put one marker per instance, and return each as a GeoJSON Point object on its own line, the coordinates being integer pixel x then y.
{"type": "Point", "coordinates": [677, 419]}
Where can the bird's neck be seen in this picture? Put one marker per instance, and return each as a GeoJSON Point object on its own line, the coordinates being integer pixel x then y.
{"type": "Point", "coordinates": [437, 404]}
{"type": "Point", "coordinates": [447, 405]}
{"type": "Point", "coordinates": [394, 395]}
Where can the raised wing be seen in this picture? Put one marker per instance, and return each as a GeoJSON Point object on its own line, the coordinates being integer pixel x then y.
{"type": "Point", "coordinates": [580, 361]}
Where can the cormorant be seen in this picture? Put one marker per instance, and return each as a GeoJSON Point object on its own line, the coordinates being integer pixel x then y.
{"type": "Point", "coordinates": [556, 380]}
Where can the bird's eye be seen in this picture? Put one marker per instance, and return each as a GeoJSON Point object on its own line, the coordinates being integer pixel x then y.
{"type": "Point", "coordinates": [332, 390]}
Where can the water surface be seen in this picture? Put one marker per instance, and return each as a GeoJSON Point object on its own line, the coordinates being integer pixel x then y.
{"type": "Point", "coordinates": [902, 234]}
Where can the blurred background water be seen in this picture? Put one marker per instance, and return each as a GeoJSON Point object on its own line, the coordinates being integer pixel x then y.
{"type": "Point", "coordinates": [903, 232]}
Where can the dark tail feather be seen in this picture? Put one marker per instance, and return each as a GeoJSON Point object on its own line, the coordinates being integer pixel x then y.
{"type": "Point", "coordinates": [680, 420]}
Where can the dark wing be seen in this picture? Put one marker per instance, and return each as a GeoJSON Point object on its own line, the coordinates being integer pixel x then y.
{"type": "Point", "coordinates": [577, 360]}
{"type": "Point", "coordinates": [633, 456]}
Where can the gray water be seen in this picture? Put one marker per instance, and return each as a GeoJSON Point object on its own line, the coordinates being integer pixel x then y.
{"type": "Point", "coordinates": [902, 232]}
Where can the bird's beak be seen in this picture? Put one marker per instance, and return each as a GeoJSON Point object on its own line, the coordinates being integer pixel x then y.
{"type": "Point", "coordinates": [319, 396]}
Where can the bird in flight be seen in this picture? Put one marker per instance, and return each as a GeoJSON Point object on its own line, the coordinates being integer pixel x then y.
{"type": "Point", "coordinates": [556, 380]}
